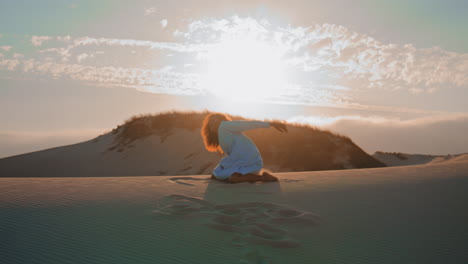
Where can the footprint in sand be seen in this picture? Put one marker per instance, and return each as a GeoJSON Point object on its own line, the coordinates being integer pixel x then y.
{"type": "Point", "coordinates": [185, 180]}
{"type": "Point", "coordinates": [251, 223]}
{"type": "Point", "coordinates": [253, 256]}
{"type": "Point", "coordinates": [175, 205]}
{"type": "Point", "coordinates": [290, 180]}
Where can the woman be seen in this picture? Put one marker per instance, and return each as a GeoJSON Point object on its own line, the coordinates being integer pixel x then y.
{"type": "Point", "coordinates": [243, 162]}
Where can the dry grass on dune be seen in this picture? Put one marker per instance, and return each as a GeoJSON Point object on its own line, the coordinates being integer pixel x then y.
{"type": "Point", "coordinates": [306, 148]}
{"type": "Point", "coordinates": [144, 125]}
{"type": "Point", "coordinates": [399, 155]}
{"type": "Point", "coordinates": [141, 126]}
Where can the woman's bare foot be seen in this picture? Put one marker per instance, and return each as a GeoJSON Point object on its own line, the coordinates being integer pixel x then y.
{"type": "Point", "coordinates": [265, 177]}
{"type": "Point", "coordinates": [268, 177]}
{"type": "Point", "coordinates": [237, 177]}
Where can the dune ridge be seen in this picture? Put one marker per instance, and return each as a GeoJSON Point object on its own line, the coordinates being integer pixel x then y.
{"type": "Point", "coordinates": [404, 159]}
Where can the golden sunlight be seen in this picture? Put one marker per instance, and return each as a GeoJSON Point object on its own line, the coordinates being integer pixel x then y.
{"type": "Point", "coordinates": [246, 68]}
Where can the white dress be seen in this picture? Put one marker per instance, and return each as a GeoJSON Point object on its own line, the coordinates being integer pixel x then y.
{"type": "Point", "coordinates": [242, 154]}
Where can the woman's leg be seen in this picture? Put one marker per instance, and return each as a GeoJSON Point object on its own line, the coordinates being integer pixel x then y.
{"type": "Point", "coordinates": [265, 177]}
{"type": "Point", "coordinates": [214, 178]}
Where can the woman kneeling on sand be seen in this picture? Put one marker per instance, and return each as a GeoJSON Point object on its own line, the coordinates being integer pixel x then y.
{"type": "Point", "coordinates": [243, 162]}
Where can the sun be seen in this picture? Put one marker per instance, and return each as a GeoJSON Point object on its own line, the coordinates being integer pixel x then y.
{"type": "Point", "coordinates": [244, 68]}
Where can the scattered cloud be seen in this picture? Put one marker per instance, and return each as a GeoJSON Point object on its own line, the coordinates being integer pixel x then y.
{"type": "Point", "coordinates": [163, 80]}
{"type": "Point", "coordinates": [64, 53]}
{"type": "Point", "coordinates": [397, 122]}
{"type": "Point", "coordinates": [168, 46]}
{"type": "Point", "coordinates": [150, 11]}
{"type": "Point", "coordinates": [348, 54]}
{"type": "Point", "coordinates": [64, 38]}
{"type": "Point", "coordinates": [38, 40]}
{"type": "Point", "coordinates": [164, 23]}
{"type": "Point", "coordinates": [327, 62]}
{"type": "Point", "coordinates": [9, 64]}
{"type": "Point", "coordinates": [83, 56]}
{"type": "Point", "coordinates": [6, 48]}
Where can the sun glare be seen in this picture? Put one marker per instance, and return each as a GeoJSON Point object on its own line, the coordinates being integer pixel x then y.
{"type": "Point", "coordinates": [245, 68]}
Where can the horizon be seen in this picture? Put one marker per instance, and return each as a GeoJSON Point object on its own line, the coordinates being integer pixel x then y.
{"type": "Point", "coordinates": [390, 75]}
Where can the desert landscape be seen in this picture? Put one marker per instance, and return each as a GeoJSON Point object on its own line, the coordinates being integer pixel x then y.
{"type": "Point", "coordinates": [234, 132]}
{"type": "Point", "coordinates": [56, 207]}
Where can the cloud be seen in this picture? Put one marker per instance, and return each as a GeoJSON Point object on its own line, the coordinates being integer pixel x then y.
{"type": "Point", "coordinates": [327, 62]}
{"type": "Point", "coordinates": [439, 134]}
{"type": "Point", "coordinates": [63, 52]}
{"type": "Point", "coordinates": [9, 64]}
{"type": "Point", "coordinates": [168, 46]}
{"type": "Point", "coordinates": [164, 23]}
{"type": "Point", "coordinates": [164, 80]}
{"type": "Point", "coordinates": [389, 66]}
{"type": "Point", "coordinates": [81, 57]}
{"type": "Point", "coordinates": [6, 48]}
{"type": "Point", "coordinates": [63, 38]}
{"type": "Point", "coordinates": [38, 40]}
{"type": "Point", "coordinates": [150, 11]}
{"type": "Point", "coordinates": [347, 54]}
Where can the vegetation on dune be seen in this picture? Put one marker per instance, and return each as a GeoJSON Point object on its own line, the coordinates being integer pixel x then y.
{"type": "Point", "coordinates": [143, 125]}
{"type": "Point", "coordinates": [401, 156]}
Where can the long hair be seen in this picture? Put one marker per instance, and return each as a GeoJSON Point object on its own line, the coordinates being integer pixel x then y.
{"type": "Point", "coordinates": [209, 131]}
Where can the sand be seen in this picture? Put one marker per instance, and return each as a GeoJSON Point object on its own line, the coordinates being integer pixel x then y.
{"type": "Point", "coordinates": [403, 159]}
{"type": "Point", "coordinates": [411, 214]}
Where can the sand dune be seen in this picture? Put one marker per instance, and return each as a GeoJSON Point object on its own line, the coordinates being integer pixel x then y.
{"type": "Point", "coordinates": [403, 159]}
{"type": "Point", "coordinates": [411, 214]}
{"type": "Point", "coordinates": [171, 144]}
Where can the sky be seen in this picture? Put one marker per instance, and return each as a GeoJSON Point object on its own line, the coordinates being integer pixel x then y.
{"type": "Point", "coordinates": [392, 75]}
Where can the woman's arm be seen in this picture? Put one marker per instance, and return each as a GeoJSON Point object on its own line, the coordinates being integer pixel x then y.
{"type": "Point", "coordinates": [279, 126]}
{"type": "Point", "coordinates": [239, 126]}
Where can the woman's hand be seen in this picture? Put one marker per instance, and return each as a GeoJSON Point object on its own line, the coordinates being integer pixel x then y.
{"type": "Point", "coordinates": [279, 126]}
